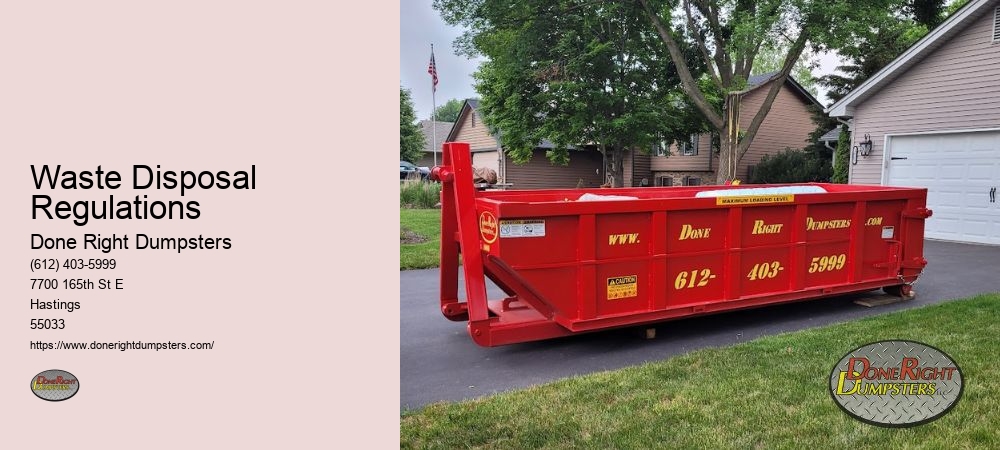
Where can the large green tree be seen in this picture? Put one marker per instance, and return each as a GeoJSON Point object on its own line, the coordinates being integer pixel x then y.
{"type": "Point", "coordinates": [449, 111]}
{"type": "Point", "coordinates": [890, 32]}
{"type": "Point", "coordinates": [573, 72]}
{"type": "Point", "coordinates": [411, 140]}
{"type": "Point", "coordinates": [729, 36]}
{"type": "Point", "coordinates": [770, 58]}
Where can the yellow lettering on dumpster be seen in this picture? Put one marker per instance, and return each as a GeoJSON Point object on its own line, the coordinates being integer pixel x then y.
{"type": "Point", "coordinates": [689, 232]}
{"type": "Point", "coordinates": [622, 239]}
{"type": "Point", "coordinates": [623, 287]}
{"type": "Point", "coordinates": [812, 225]}
{"type": "Point", "coordinates": [759, 227]}
{"type": "Point", "coordinates": [754, 199]}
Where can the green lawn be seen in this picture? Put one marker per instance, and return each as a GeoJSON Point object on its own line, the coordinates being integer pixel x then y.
{"type": "Point", "coordinates": [767, 393]}
{"type": "Point", "coordinates": [427, 224]}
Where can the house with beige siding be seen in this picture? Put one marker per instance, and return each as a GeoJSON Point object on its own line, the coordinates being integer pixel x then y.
{"type": "Point", "coordinates": [585, 167]}
{"type": "Point", "coordinates": [694, 162]}
{"type": "Point", "coordinates": [931, 118]}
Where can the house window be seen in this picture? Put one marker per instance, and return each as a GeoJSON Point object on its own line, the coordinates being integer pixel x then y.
{"type": "Point", "coordinates": [692, 181]}
{"type": "Point", "coordinates": [750, 173]}
{"type": "Point", "coordinates": [660, 148]}
{"type": "Point", "coordinates": [666, 181]}
{"type": "Point", "coordinates": [689, 147]}
{"type": "Point", "coordinates": [996, 25]}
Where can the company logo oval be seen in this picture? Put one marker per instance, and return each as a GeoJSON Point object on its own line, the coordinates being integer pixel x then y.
{"type": "Point", "coordinates": [55, 385]}
{"type": "Point", "coordinates": [896, 383]}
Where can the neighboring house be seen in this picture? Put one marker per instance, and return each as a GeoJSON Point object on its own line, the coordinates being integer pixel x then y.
{"type": "Point", "coordinates": [437, 134]}
{"type": "Point", "coordinates": [829, 140]}
{"type": "Point", "coordinates": [932, 117]}
{"type": "Point", "coordinates": [584, 169]}
{"type": "Point", "coordinates": [787, 125]}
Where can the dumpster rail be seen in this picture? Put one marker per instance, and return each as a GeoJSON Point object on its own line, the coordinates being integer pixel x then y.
{"type": "Point", "coordinates": [582, 260]}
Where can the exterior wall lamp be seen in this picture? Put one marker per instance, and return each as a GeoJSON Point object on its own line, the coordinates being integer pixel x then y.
{"type": "Point", "coordinates": [864, 148]}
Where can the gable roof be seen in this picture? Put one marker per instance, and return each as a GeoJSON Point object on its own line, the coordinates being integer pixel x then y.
{"type": "Point", "coordinates": [471, 106]}
{"type": "Point", "coordinates": [756, 81]}
{"type": "Point", "coordinates": [831, 136]}
{"type": "Point", "coordinates": [913, 55]}
{"type": "Point", "coordinates": [468, 107]}
{"type": "Point", "coordinates": [439, 130]}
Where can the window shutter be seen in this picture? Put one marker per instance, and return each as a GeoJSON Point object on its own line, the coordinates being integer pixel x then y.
{"type": "Point", "coordinates": [996, 24]}
{"type": "Point", "coordinates": [750, 173]}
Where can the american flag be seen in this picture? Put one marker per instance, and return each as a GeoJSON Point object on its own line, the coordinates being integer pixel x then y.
{"type": "Point", "coordinates": [432, 69]}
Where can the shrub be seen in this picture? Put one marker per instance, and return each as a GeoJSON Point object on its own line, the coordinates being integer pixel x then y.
{"type": "Point", "coordinates": [419, 194]}
{"type": "Point", "coordinates": [792, 166]}
{"type": "Point", "coordinates": [840, 174]}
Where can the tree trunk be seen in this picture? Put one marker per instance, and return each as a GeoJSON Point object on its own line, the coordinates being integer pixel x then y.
{"type": "Point", "coordinates": [727, 156]}
{"type": "Point", "coordinates": [729, 140]}
{"type": "Point", "coordinates": [617, 170]}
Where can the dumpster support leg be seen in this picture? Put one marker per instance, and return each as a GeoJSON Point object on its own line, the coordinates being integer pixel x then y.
{"type": "Point", "coordinates": [458, 200]}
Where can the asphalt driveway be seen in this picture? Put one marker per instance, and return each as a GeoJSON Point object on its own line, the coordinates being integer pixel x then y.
{"type": "Point", "coordinates": [439, 362]}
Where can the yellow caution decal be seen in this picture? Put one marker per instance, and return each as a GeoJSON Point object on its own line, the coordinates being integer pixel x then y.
{"type": "Point", "coordinates": [623, 287]}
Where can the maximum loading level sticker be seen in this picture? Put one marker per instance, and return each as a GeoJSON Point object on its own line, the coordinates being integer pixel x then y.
{"type": "Point", "coordinates": [754, 199]}
{"type": "Point", "coordinates": [522, 228]}
{"type": "Point", "coordinates": [623, 287]}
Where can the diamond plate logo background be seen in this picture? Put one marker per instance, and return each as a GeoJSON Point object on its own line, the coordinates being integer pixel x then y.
{"type": "Point", "coordinates": [55, 395]}
{"type": "Point", "coordinates": [898, 410]}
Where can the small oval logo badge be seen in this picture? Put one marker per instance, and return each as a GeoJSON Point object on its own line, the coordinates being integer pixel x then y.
{"type": "Point", "coordinates": [55, 385]}
{"type": "Point", "coordinates": [896, 383]}
{"type": "Point", "coordinates": [488, 227]}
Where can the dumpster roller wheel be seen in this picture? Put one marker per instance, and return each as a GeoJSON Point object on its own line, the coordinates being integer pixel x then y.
{"type": "Point", "coordinates": [902, 290]}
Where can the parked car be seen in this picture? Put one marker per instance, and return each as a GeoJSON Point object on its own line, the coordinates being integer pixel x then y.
{"type": "Point", "coordinates": [408, 170]}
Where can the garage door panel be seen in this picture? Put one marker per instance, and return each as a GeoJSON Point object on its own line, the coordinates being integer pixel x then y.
{"type": "Point", "coordinates": [947, 198]}
{"type": "Point", "coordinates": [958, 170]}
{"type": "Point", "coordinates": [976, 228]}
{"type": "Point", "coordinates": [951, 171]}
{"type": "Point", "coordinates": [923, 172]}
{"type": "Point", "coordinates": [943, 216]}
{"type": "Point", "coordinates": [982, 143]}
{"type": "Point", "coordinates": [983, 173]}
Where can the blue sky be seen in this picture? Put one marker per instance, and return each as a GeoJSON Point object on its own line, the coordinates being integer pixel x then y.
{"type": "Point", "coordinates": [420, 26]}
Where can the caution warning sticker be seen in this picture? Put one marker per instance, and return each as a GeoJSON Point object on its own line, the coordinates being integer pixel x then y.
{"type": "Point", "coordinates": [522, 228]}
{"type": "Point", "coordinates": [754, 199]}
{"type": "Point", "coordinates": [623, 287]}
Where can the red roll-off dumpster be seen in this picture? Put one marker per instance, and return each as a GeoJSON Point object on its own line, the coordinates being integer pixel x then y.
{"type": "Point", "coordinates": [581, 260]}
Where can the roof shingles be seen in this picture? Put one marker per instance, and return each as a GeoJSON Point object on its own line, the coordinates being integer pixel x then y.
{"type": "Point", "coordinates": [442, 133]}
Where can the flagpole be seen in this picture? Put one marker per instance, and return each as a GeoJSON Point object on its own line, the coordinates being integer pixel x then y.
{"type": "Point", "coordinates": [434, 148]}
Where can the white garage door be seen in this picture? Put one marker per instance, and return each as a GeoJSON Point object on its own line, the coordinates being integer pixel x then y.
{"type": "Point", "coordinates": [961, 172]}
